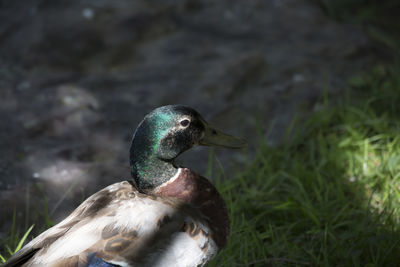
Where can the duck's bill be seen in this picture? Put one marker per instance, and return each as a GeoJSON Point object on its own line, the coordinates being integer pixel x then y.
{"type": "Point", "coordinates": [214, 137]}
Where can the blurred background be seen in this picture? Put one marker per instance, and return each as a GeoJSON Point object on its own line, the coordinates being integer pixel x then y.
{"type": "Point", "coordinates": [76, 78]}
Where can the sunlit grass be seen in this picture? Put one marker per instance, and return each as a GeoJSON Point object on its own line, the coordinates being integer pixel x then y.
{"type": "Point", "coordinates": [330, 194]}
{"type": "Point", "coordinates": [14, 242]}
{"type": "Point", "coordinates": [20, 231]}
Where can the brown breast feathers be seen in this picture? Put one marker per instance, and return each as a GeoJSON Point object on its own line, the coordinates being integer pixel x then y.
{"type": "Point", "coordinates": [196, 190]}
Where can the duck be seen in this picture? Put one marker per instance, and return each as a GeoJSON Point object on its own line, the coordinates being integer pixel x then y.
{"type": "Point", "coordinates": [166, 215]}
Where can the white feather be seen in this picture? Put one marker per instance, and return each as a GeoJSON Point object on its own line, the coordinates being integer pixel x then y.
{"type": "Point", "coordinates": [140, 214]}
{"type": "Point", "coordinates": [172, 179]}
{"type": "Point", "coordinates": [186, 251]}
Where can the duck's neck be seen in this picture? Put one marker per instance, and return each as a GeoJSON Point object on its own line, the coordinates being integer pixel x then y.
{"type": "Point", "coordinates": [152, 159]}
{"type": "Point", "coordinates": [150, 171]}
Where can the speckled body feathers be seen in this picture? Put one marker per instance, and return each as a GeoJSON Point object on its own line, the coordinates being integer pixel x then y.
{"type": "Point", "coordinates": [181, 223]}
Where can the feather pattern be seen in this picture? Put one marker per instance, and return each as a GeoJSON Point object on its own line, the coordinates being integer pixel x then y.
{"type": "Point", "coordinates": [119, 226]}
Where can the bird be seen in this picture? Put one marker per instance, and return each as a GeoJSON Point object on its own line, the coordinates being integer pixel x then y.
{"type": "Point", "coordinates": [166, 215]}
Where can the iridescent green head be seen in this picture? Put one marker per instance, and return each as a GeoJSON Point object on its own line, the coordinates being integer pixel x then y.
{"type": "Point", "coordinates": [163, 135]}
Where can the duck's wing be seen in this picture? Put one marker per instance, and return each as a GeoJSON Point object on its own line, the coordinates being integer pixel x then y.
{"type": "Point", "coordinates": [117, 225]}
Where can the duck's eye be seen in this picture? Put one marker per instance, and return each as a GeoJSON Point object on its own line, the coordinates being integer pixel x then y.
{"type": "Point", "coordinates": [185, 123]}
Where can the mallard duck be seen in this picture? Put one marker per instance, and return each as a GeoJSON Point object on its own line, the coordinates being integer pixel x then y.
{"type": "Point", "coordinates": [165, 216]}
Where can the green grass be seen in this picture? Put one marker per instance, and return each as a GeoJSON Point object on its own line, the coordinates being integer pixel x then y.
{"type": "Point", "coordinates": [330, 194]}
{"type": "Point", "coordinates": [15, 238]}
{"type": "Point", "coordinates": [14, 241]}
